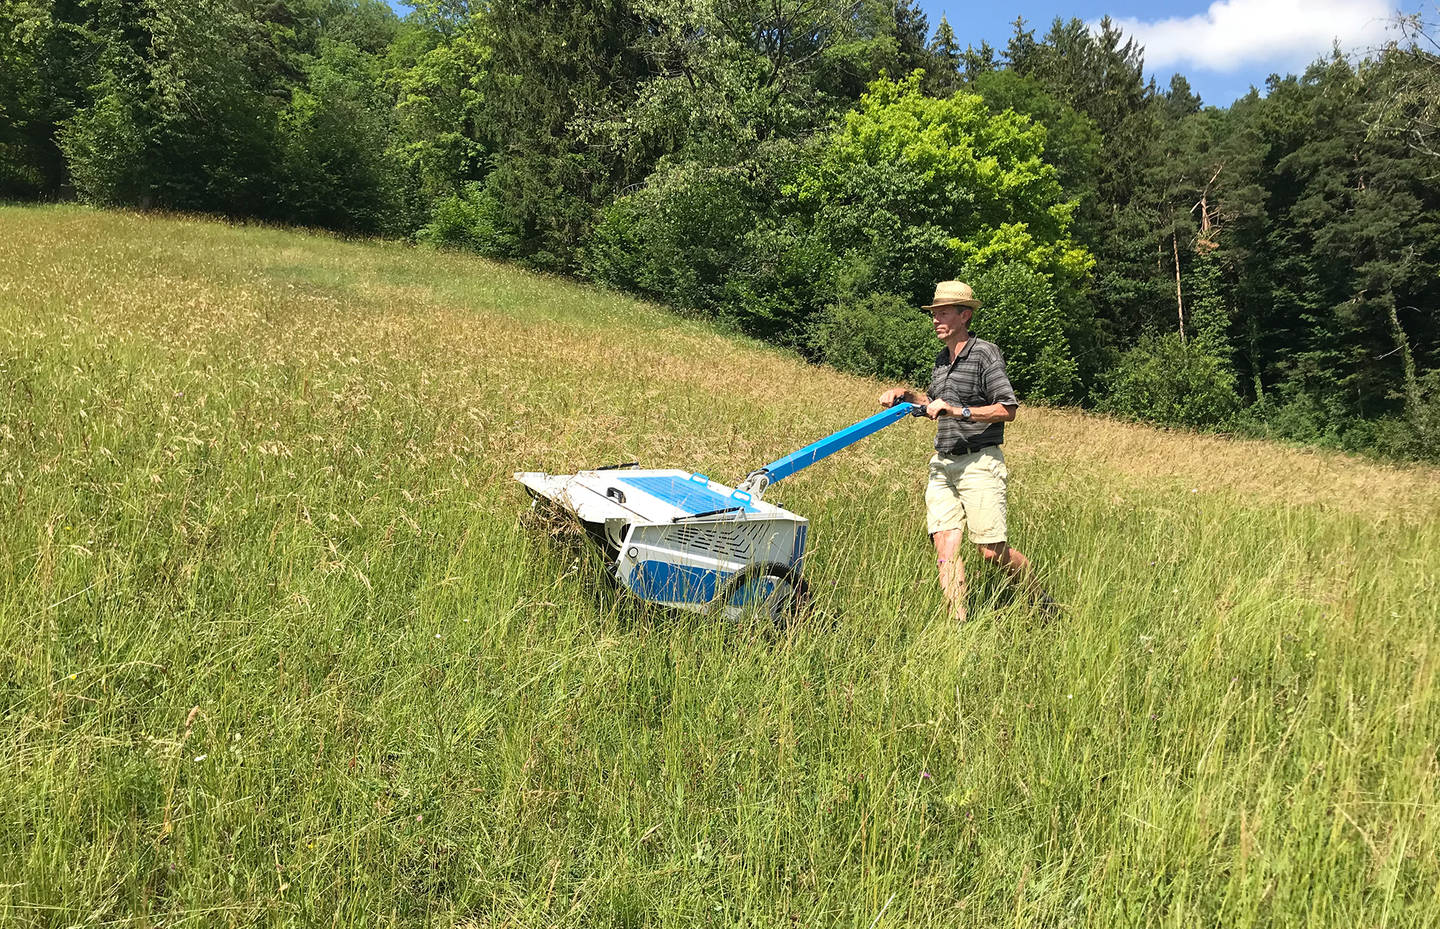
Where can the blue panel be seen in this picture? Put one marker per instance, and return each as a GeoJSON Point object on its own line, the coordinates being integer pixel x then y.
{"type": "Point", "coordinates": [784, 467]}
{"type": "Point", "coordinates": [798, 554]}
{"type": "Point", "coordinates": [686, 493]}
{"type": "Point", "coordinates": [674, 583]}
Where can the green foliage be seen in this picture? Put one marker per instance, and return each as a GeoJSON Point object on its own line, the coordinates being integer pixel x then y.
{"type": "Point", "coordinates": [335, 135]}
{"type": "Point", "coordinates": [1022, 315]}
{"type": "Point", "coordinates": [1072, 142]}
{"type": "Point", "coordinates": [206, 105]}
{"type": "Point", "coordinates": [722, 80]}
{"type": "Point", "coordinates": [1311, 417]}
{"type": "Point", "coordinates": [1415, 434]}
{"type": "Point", "coordinates": [106, 146]}
{"type": "Point", "coordinates": [945, 52]}
{"type": "Point", "coordinates": [1405, 82]}
{"type": "Point", "coordinates": [50, 56]}
{"type": "Point", "coordinates": [721, 242]}
{"type": "Point", "coordinates": [717, 241]}
{"type": "Point", "coordinates": [470, 220]}
{"type": "Point", "coordinates": [550, 62]}
{"type": "Point", "coordinates": [1100, 74]}
{"type": "Point", "coordinates": [1210, 314]}
{"type": "Point", "coordinates": [440, 106]}
{"type": "Point", "coordinates": [210, 140]}
{"type": "Point", "coordinates": [1172, 382]}
{"type": "Point", "coordinates": [881, 335]}
{"type": "Point", "coordinates": [921, 187]}
{"type": "Point", "coordinates": [1302, 410]}
{"type": "Point", "coordinates": [24, 28]}
{"type": "Point", "coordinates": [786, 277]}
{"type": "Point", "coordinates": [680, 237]}
{"type": "Point", "coordinates": [1349, 267]}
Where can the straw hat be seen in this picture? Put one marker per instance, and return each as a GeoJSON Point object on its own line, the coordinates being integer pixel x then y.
{"type": "Point", "coordinates": [953, 293]}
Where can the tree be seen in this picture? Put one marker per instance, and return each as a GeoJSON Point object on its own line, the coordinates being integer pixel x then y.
{"type": "Point", "coordinates": [1072, 141]}
{"type": "Point", "coordinates": [177, 121]}
{"type": "Point", "coordinates": [911, 29]}
{"type": "Point", "coordinates": [437, 81]}
{"type": "Point", "coordinates": [924, 187]}
{"type": "Point", "coordinates": [1101, 74]}
{"type": "Point", "coordinates": [1405, 83]}
{"type": "Point", "coordinates": [724, 79]}
{"type": "Point", "coordinates": [29, 166]}
{"type": "Point", "coordinates": [979, 61]}
{"type": "Point", "coordinates": [551, 61]}
{"type": "Point", "coordinates": [910, 190]}
{"type": "Point", "coordinates": [1179, 101]}
{"type": "Point", "coordinates": [1021, 50]}
{"type": "Point", "coordinates": [1351, 255]}
{"type": "Point", "coordinates": [339, 164]}
{"type": "Point", "coordinates": [945, 52]}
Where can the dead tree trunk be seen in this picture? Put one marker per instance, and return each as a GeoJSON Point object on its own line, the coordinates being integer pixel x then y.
{"type": "Point", "coordinates": [1179, 300]}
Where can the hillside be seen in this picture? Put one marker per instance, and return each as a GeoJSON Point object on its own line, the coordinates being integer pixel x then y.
{"type": "Point", "coordinates": [278, 646]}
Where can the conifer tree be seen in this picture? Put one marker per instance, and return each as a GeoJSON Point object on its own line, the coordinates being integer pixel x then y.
{"type": "Point", "coordinates": [946, 56]}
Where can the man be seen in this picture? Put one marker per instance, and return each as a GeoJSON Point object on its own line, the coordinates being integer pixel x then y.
{"type": "Point", "coordinates": [971, 399]}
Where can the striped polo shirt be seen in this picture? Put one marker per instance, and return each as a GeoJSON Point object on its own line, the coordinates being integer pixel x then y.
{"type": "Point", "coordinates": [976, 378]}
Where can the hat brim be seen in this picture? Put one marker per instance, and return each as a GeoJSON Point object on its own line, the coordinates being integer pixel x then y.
{"type": "Point", "coordinates": [972, 304]}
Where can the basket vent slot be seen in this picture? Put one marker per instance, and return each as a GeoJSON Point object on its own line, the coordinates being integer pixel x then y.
{"type": "Point", "coordinates": [733, 541]}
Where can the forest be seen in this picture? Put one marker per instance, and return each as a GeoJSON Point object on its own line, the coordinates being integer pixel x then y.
{"type": "Point", "coordinates": [803, 171]}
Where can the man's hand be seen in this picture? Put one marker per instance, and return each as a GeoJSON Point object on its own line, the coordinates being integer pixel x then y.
{"type": "Point", "coordinates": [893, 396]}
{"type": "Point", "coordinates": [938, 408]}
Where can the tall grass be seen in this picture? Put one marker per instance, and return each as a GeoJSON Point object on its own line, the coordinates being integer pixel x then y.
{"type": "Point", "coordinates": [278, 647]}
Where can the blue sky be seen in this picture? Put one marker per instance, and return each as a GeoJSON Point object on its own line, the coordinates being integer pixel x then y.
{"type": "Point", "coordinates": [1222, 47]}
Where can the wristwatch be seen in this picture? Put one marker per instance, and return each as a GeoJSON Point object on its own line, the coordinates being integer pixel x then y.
{"type": "Point", "coordinates": [964, 414]}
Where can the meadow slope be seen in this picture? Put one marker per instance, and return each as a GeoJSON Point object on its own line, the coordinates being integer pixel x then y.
{"type": "Point", "coordinates": [279, 649]}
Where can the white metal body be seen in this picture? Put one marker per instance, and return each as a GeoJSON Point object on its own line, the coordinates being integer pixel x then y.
{"type": "Point", "coordinates": [670, 544]}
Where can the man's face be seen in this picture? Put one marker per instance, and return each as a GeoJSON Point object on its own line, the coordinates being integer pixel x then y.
{"type": "Point", "coordinates": [949, 320]}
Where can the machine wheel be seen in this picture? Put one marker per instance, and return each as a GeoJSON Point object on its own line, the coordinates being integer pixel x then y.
{"type": "Point", "coordinates": [770, 589]}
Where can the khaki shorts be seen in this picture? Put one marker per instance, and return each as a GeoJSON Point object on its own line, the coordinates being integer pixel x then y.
{"type": "Point", "coordinates": [968, 489]}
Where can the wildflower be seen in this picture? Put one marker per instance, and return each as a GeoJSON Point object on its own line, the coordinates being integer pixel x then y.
{"type": "Point", "coordinates": [924, 775]}
{"type": "Point", "coordinates": [201, 757]}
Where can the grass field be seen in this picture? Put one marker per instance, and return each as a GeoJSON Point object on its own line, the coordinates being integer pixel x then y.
{"type": "Point", "coordinates": [279, 649]}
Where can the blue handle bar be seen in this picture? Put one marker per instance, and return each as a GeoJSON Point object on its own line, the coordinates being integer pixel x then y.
{"type": "Point", "coordinates": [784, 467]}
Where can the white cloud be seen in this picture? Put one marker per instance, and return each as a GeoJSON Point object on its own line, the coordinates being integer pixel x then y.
{"type": "Point", "coordinates": [1234, 34]}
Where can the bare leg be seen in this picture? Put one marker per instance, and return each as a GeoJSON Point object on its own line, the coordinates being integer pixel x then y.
{"type": "Point", "coordinates": [1009, 558]}
{"type": "Point", "coordinates": [952, 570]}
{"type": "Point", "coordinates": [1018, 568]}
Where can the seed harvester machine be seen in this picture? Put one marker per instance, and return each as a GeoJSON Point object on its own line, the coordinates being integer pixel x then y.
{"type": "Point", "coordinates": [679, 539]}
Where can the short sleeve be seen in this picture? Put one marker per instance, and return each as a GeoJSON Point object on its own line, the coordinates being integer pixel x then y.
{"type": "Point", "coordinates": [997, 382]}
